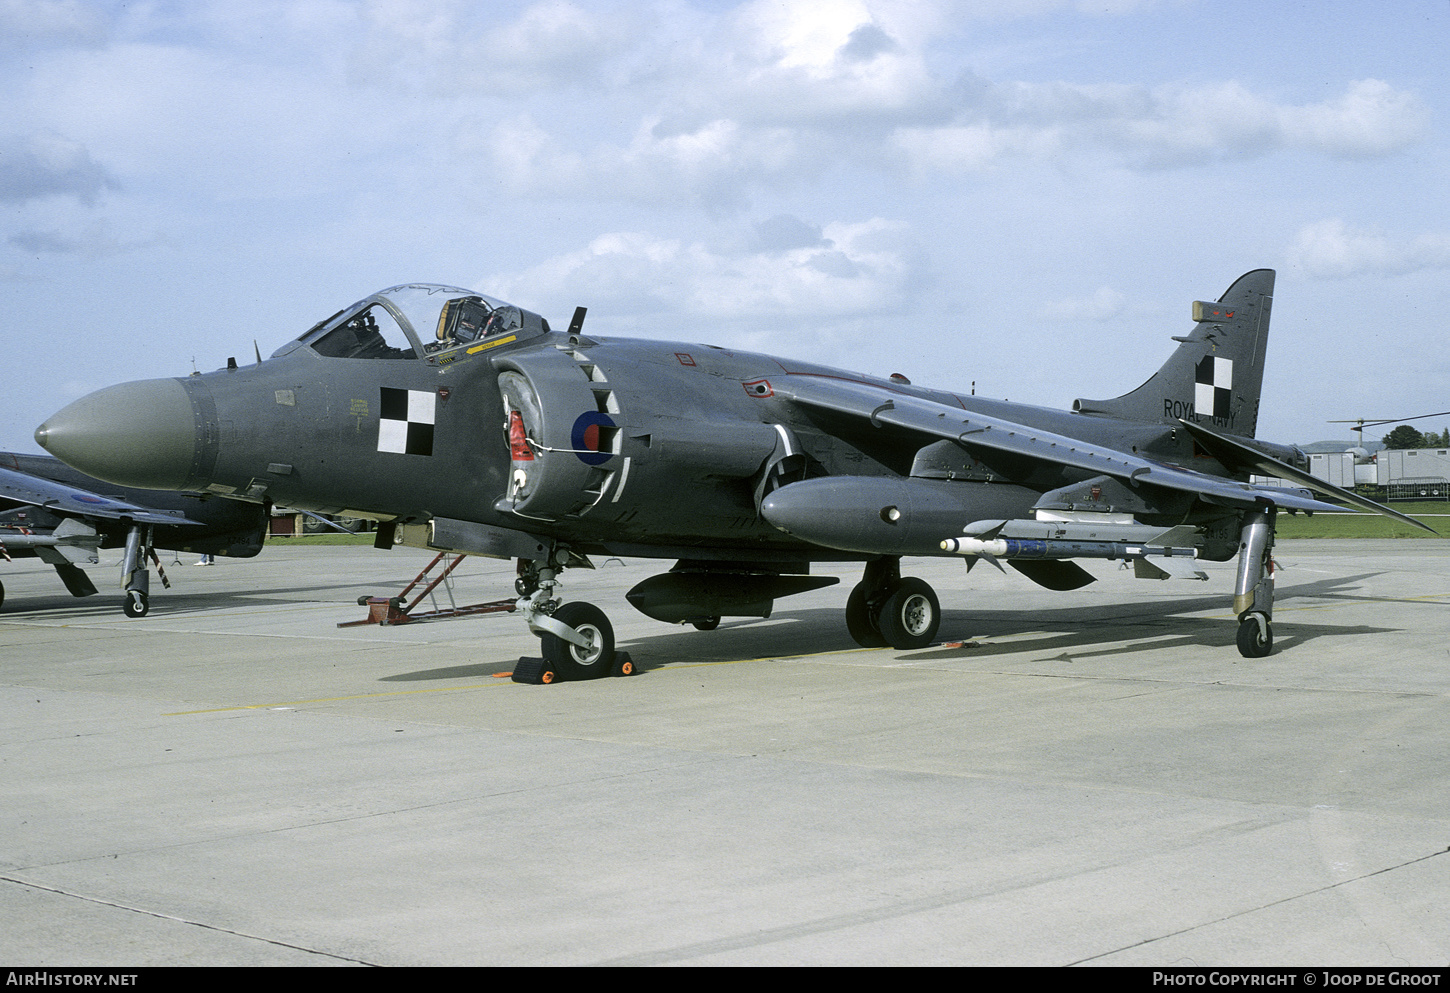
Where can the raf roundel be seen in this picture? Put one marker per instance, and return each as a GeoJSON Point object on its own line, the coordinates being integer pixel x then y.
{"type": "Point", "coordinates": [589, 439]}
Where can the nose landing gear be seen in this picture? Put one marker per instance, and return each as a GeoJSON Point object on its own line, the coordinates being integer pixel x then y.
{"type": "Point", "coordinates": [575, 661]}
{"type": "Point", "coordinates": [576, 638]}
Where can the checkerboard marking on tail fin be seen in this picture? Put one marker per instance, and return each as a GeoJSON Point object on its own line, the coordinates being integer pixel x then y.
{"type": "Point", "coordinates": [1213, 387]}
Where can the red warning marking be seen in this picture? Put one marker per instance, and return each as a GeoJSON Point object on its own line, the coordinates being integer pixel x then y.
{"type": "Point", "coordinates": [519, 449]}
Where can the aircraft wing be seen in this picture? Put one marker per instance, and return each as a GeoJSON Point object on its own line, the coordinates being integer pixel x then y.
{"type": "Point", "coordinates": [973, 430]}
{"type": "Point", "coordinates": [1235, 454]}
{"type": "Point", "coordinates": [23, 488]}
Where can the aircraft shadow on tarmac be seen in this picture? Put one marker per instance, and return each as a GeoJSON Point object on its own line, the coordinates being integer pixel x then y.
{"type": "Point", "coordinates": [1071, 633]}
{"type": "Point", "coordinates": [1064, 632]}
{"type": "Point", "coordinates": [179, 602]}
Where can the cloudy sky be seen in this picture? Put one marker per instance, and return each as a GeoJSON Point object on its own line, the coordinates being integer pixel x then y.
{"type": "Point", "coordinates": [1024, 194]}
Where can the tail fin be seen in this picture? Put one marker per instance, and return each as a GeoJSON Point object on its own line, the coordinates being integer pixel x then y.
{"type": "Point", "coordinates": [1216, 373]}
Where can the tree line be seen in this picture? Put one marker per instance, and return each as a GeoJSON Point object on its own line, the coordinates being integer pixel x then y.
{"type": "Point", "coordinates": [1405, 436]}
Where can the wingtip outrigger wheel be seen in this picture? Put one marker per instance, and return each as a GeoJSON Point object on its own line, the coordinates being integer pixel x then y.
{"type": "Point", "coordinates": [135, 578]}
{"type": "Point", "coordinates": [1256, 636]}
{"type": "Point", "coordinates": [1254, 587]}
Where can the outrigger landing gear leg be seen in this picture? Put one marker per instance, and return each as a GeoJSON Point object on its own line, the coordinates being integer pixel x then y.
{"type": "Point", "coordinates": [577, 639]}
{"type": "Point", "coordinates": [885, 609]}
{"type": "Point", "coordinates": [1254, 588]}
{"type": "Point", "coordinates": [135, 578]}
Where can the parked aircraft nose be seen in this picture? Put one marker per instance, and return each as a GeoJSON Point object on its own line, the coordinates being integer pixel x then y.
{"type": "Point", "coordinates": [139, 434]}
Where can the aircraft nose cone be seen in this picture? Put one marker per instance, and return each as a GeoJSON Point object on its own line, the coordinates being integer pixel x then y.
{"type": "Point", "coordinates": [140, 434]}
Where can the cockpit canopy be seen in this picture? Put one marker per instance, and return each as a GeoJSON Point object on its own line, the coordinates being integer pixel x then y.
{"type": "Point", "coordinates": [417, 319]}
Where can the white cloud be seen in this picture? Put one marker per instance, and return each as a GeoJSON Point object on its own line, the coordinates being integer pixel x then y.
{"type": "Point", "coordinates": [1161, 127]}
{"type": "Point", "coordinates": [852, 269]}
{"type": "Point", "coordinates": [215, 122]}
{"type": "Point", "coordinates": [713, 165]}
{"type": "Point", "coordinates": [93, 241]}
{"type": "Point", "coordinates": [1021, 9]}
{"type": "Point", "coordinates": [440, 47]}
{"type": "Point", "coordinates": [977, 146]}
{"type": "Point", "coordinates": [813, 64]}
{"type": "Point", "coordinates": [774, 95]}
{"type": "Point", "coordinates": [64, 22]}
{"type": "Point", "coordinates": [47, 164]}
{"type": "Point", "coordinates": [1370, 119]}
{"type": "Point", "coordinates": [1104, 305]}
{"type": "Point", "coordinates": [1331, 250]}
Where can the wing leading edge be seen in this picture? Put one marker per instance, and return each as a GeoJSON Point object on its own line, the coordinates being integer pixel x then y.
{"type": "Point", "coordinates": [974, 430]}
{"type": "Point", "coordinates": [1238, 455]}
{"type": "Point", "coordinates": [20, 487]}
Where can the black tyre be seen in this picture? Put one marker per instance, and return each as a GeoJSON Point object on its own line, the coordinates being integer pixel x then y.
{"type": "Point", "coordinates": [860, 622]}
{"type": "Point", "coordinates": [910, 616]}
{"type": "Point", "coordinates": [706, 623]}
{"type": "Point", "coordinates": [1252, 643]}
{"type": "Point", "coordinates": [571, 661]}
{"type": "Point", "coordinates": [136, 604]}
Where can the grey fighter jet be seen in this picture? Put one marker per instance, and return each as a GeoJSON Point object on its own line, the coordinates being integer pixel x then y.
{"type": "Point", "coordinates": [464, 423]}
{"type": "Point", "coordinates": [50, 511]}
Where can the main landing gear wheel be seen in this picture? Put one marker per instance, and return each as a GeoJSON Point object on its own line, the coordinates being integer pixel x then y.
{"type": "Point", "coordinates": [910, 616]}
{"type": "Point", "coordinates": [904, 614]}
{"type": "Point", "coordinates": [1255, 642]}
{"type": "Point", "coordinates": [572, 661]}
{"type": "Point", "coordinates": [136, 604]}
{"type": "Point", "coordinates": [861, 619]}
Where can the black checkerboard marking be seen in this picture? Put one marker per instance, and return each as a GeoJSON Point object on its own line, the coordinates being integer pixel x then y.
{"type": "Point", "coordinates": [405, 421]}
{"type": "Point", "coordinates": [1213, 387]}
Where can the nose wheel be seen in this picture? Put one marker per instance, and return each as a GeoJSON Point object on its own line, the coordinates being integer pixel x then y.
{"type": "Point", "coordinates": [587, 661]}
{"type": "Point", "coordinates": [576, 639]}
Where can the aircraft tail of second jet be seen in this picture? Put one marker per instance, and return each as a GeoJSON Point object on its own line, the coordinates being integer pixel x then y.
{"type": "Point", "coordinates": [1215, 375]}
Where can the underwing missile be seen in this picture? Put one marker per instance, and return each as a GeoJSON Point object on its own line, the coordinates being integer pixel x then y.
{"type": "Point", "coordinates": [1010, 548]}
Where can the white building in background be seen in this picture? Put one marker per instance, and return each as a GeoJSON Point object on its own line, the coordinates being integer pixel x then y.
{"type": "Point", "coordinates": [1337, 468]}
{"type": "Point", "coordinates": [1408, 474]}
{"type": "Point", "coordinates": [1414, 473]}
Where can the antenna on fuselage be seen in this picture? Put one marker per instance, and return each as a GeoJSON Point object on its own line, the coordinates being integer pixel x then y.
{"type": "Point", "coordinates": [577, 324]}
